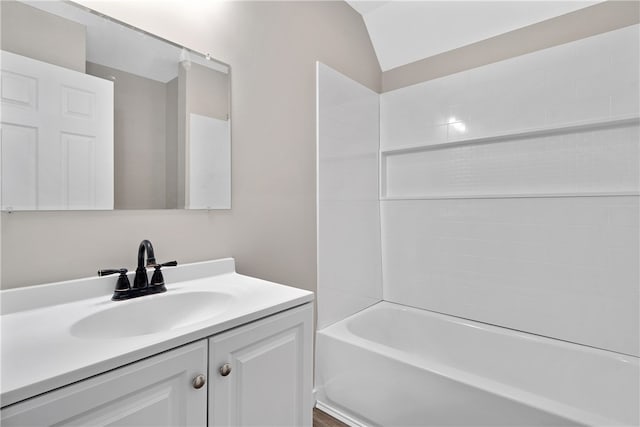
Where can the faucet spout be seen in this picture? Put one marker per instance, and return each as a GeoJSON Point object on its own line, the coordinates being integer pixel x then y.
{"type": "Point", "coordinates": [141, 281]}
{"type": "Point", "coordinates": [146, 245]}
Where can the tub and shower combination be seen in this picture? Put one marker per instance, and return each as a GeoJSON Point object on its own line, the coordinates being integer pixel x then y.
{"type": "Point", "coordinates": [392, 365]}
{"type": "Point", "coordinates": [506, 195]}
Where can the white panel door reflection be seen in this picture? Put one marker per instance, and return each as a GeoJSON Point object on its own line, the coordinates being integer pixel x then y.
{"type": "Point", "coordinates": [56, 136]}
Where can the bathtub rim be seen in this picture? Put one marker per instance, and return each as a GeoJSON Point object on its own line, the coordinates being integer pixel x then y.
{"type": "Point", "coordinates": [501, 330]}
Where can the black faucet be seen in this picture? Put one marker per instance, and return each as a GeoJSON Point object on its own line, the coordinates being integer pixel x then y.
{"type": "Point", "coordinates": [141, 285]}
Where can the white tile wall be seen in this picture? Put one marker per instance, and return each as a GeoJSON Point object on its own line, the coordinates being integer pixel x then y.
{"type": "Point", "coordinates": [560, 267]}
{"type": "Point", "coordinates": [349, 258]}
{"type": "Point", "coordinates": [591, 79]}
{"type": "Point", "coordinates": [565, 267]}
{"type": "Point", "coordinates": [591, 161]}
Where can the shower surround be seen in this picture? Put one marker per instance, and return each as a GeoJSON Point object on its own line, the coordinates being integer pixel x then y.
{"type": "Point", "coordinates": [506, 195]}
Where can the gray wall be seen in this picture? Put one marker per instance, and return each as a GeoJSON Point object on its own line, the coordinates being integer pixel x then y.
{"type": "Point", "coordinates": [272, 48]}
{"type": "Point", "coordinates": [139, 138]}
{"type": "Point", "coordinates": [181, 127]}
{"type": "Point", "coordinates": [212, 102]}
{"type": "Point", "coordinates": [172, 144]}
{"type": "Point", "coordinates": [25, 31]}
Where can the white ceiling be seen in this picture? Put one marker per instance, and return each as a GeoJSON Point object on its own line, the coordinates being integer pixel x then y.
{"type": "Point", "coordinates": [407, 31]}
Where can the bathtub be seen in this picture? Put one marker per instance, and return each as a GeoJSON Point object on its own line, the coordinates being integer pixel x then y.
{"type": "Point", "coordinates": [392, 365]}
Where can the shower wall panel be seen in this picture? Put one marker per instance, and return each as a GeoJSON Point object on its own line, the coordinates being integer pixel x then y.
{"type": "Point", "coordinates": [510, 193]}
{"type": "Point", "coordinates": [593, 79]}
{"type": "Point", "coordinates": [349, 258]}
{"type": "Point", "coordinates": [561, 267]}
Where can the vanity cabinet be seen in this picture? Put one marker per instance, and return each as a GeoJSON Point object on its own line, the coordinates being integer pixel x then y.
{"type": "Point", "coordinates": [256, 374]}
{"type": "Point", "coordinates": [157, 391]}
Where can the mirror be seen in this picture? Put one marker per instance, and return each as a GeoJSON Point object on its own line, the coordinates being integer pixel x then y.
{"type": "Point", "coordinates": [100, 115]}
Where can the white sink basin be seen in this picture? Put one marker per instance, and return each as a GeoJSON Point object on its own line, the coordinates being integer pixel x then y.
{"type": "Point", "coordinates": [151, 314]}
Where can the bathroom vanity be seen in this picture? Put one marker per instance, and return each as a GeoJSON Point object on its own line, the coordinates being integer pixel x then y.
{"type": "Point", "coordinates": [217, 348]}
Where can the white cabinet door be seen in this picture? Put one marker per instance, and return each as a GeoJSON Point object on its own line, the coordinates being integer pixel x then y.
{"type": "Point", "coordinates": [270, 379]}
{"type": "Point", "coordinates": [157, 391]}
{"type": "Point", "coordinates": [56, 137]}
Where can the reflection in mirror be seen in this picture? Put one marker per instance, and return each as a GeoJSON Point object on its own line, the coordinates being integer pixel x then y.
{"type": "Point", "coordinates": [144, 123]}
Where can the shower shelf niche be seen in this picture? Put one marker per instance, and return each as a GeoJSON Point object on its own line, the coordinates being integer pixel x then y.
{"type": "Point", "coordinates": [566, 160]}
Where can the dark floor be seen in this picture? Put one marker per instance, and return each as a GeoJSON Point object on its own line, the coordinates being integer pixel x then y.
{"type": "Point", "coordinates": [322, 419]}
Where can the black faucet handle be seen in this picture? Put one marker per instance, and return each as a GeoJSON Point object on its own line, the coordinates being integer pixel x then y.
{"type": "Point", "coordinates": [157, 280]}
{"type": "Point", "coordinates": [123, 287]}
{"type": "Point", "coordinates": [169, 264]}
{"type": "Point", "coordinates": [108, 271]}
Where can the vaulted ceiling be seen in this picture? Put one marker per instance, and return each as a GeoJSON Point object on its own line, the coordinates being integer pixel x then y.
{"type": "Point", "coordinates": [406, 31]}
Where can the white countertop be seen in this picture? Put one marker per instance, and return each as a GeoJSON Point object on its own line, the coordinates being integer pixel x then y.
{"type": "Point", "coordinates": [39, 353]}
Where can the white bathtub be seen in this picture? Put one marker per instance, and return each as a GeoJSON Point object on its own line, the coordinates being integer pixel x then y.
{"type": "Point", "coordinates": [391, 365]}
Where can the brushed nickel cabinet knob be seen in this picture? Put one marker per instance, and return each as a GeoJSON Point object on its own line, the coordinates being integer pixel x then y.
{"type": "Point", "coordinates": [199, 381]}
{"type": "Point", "coordinates": [225, 369]}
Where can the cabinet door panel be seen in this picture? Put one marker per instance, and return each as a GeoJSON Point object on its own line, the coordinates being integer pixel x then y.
{"type": "Point", "coordinates": [153, 392]}
{"type": "Point", "coordinates": [270, 379]}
